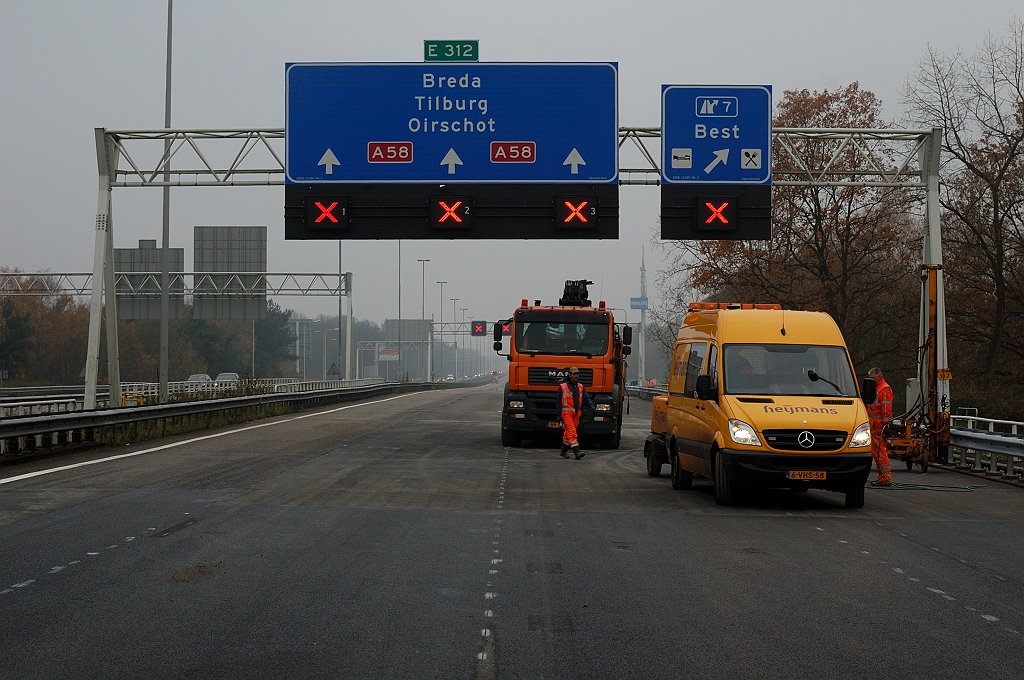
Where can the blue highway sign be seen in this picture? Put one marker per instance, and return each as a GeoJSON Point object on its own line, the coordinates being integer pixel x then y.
{"type": "Point", "coordinates": [638, 303]}
{"type": "Point", "coordinates": [446, 123]}
{"type": "Point", "coordinates": [716, 134]}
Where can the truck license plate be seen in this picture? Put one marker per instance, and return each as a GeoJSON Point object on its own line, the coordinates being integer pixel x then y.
{"type": "Point", "coordinates": [555, 425]}
{"type": "Point", "coordinates": [805, 474]}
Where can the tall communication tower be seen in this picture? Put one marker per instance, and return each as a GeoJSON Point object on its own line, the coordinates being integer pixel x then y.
{"type": "Point", "coordinates": [643, 320]}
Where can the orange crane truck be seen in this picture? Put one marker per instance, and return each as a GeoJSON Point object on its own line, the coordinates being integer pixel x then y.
{"type": "Point", "coordinates": [545, 341]}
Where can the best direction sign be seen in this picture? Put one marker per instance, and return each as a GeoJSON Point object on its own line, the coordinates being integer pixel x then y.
{"type": "Point", "coordinates": [460, 123]}
{"type": "Point", "coordinates": [716, 134]}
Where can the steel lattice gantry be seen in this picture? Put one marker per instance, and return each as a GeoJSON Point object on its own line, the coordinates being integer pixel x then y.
{"type": "Point", "coordinates": [906, 159]}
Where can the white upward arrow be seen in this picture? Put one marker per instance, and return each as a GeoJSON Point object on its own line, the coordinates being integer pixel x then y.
{"type": "Point", "coordinates": [451, 159]}
{"type": "Point", "coordinates": [574, 160]}
{"type": "Point", "coordinates": [329, 160]}
{"type": "Point", "coordinates": [721, 156]}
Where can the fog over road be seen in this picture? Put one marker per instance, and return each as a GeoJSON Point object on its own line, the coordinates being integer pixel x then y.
{"type": "Point", "coordinates": [397, 538]}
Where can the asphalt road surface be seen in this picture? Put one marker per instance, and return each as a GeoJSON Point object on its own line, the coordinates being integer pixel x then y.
{"type": "Point", "coordinates": [396, 538]}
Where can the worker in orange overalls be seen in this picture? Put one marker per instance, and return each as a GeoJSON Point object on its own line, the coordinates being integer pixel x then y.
{"type": "Point", "coordinates": [880, 413]}
{"type": "Point", "coordinates": [573, 396]}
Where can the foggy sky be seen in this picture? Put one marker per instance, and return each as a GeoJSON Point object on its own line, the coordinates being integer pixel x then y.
{"type": "Point", "coordinates": [68, 67]}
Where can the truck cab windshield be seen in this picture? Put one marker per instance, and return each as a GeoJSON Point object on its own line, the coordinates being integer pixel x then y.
{"type": "Point", "coordinates": [534, 337]}
{"type": "Point", "coordinates": [783, 370]}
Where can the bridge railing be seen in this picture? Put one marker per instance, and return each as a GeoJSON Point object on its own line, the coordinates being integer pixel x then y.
{"type": "Point", "coordinates": [977, 441]}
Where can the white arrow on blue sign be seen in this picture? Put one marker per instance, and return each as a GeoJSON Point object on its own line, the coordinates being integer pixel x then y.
{"type": "Point", "coordinates": [451, 122]}
{"type": "Point", "coordinates": [716, 134]}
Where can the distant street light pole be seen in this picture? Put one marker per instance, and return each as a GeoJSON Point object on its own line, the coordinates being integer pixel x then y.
{"type": "Point", "coordinates": [440, 321]}
{"type": "Point", "coordinates": [423, 284]}
{"type": "Point", "coordinates": [455, 343]}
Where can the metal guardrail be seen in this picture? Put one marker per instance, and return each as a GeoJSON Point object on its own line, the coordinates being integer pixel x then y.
{"type": "Point", "coordinates": [977, 444]}
{"type": "Point", "coordinates": [9, 409]}
{"type": "Point", "coordinates": [645, 392]}
{"type": "Point", "coordinates": [30, 433]}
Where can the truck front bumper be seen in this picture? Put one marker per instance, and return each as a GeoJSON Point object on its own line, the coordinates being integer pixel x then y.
{"type": "Point", "coordinates": [764, 469]}
{"type": "Point", "coordinates": [540, 414]}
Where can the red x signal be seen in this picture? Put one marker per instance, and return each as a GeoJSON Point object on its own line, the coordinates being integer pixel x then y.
{"type": "Point", "coordinates": [574, 211]}
{"type": "Point", "coordinates": [450, 212]}
{"type": "Point", "coordinates": [716, 213]}
{"type": "Point", "coordinates": [326, 212]}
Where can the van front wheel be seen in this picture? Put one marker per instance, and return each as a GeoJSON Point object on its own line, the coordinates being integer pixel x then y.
{"type": "Point", "coordinates": [855, 496]}
{"type": "Point", "coordinates": [723, 487]}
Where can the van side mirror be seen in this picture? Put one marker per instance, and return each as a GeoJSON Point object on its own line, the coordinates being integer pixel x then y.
{"type": "Point", "coordinates": [627, 350]}
{"type": "Point", "coordinates": [704, 386]}
{"type": "Point", "coordinates": [497, 345]}
{"type": "Point", "coordinates": [869, 391]}
{"type": "Point", "coordinates": [627, 335]}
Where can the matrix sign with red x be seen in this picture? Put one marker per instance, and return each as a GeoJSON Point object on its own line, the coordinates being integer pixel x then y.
{"type": "Point", "coordinates": [451, 212]}
{"type": "Point", "coordinates": [575, 212]}
{"type": "Point", "coordinates": [716, 213]}
{"type": "Point", "coordinates": [327, 212]}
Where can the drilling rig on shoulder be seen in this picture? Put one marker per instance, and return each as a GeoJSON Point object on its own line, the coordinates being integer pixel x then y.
{"type": "Point", "coordinates": [545, 341]}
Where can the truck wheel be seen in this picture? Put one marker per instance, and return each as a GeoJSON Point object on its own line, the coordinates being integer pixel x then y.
{"type": "Point", "coordinates": [723, 487]}
{"type": "Point", "coordinates": [509, 438]}
{"type": "Point", "coordinates": [681, 479]}
{"type": "Point", "coordinates": [610, 440]}
{"type": "Point", "coordinates": [653, 461]}
{"type": "Point", "coordinates": [855, 496]}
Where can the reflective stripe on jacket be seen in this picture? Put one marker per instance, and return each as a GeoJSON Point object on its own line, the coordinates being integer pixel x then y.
{"type": "Point", "coordinates": [882, 408]}
{"type": "Point", "coordinates": [573, 400]}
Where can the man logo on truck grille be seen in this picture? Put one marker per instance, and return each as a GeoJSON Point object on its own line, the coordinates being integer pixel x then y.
{"type": "Point", "coordinates": [558, 374]}
{"type": "Point", "coordinates": [805, 439]}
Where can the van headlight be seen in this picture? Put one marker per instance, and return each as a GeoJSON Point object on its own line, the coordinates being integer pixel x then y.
{"type": "Point", "coordinates": [602, 407]}
{"type": "Point", "coordinates": [742, 433]}
{"type": "Point", "coordinates": [515, 404]}
{"type": "Point", "coordinates": [861, 436]}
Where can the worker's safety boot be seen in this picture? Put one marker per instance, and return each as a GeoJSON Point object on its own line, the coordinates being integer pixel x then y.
{"type": "Point", "coordinates": [576, 451]}
{"type": "Point", "coordinates": [565, 451]}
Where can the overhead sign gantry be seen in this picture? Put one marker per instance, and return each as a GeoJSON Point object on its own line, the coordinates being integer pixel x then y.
{"type": "Point", "coordinates": [452, 150]}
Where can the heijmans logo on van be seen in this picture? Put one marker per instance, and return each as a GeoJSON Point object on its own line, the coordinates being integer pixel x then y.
{"type": "Point", "coordinates": [799, 409]}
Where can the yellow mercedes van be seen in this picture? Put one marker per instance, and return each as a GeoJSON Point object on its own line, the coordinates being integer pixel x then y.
{"type": "Point", "coordinates": [759, 396]}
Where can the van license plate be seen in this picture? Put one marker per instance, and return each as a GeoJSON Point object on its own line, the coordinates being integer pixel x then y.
{"type": "Point", "coordinates": [805, 474]}
{"type": "Point", "coordinates": [555, 425]}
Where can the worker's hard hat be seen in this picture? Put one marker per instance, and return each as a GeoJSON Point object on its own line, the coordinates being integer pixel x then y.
{"type": "Point", "coordinates": [573, 369]}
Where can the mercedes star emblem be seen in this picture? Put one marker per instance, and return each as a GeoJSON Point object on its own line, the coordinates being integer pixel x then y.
{"type": "Point", "coordinates": [805, 439]}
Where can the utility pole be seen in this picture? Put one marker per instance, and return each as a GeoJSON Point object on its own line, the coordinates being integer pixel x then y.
{"type": "Point", "coordinates": [400, 374]}
{"type": "Point", "coordinates": [440, 321]}
{"type": "Point", "coordinates": [165, 250]}
{"type": "Point", "coordinates": [423, 284]}
{"type": "Point", "coordinates": [455, 343]}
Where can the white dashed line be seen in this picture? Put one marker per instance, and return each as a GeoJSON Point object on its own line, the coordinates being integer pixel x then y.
{"type": "Point", "coordinates": [488, 613]}
{"type": "Point", "coordinates": [897, 570]}
{"type": "Point", "coordinates": [989, 618]}
{"type": "Point", "coordinates": [24, 584]}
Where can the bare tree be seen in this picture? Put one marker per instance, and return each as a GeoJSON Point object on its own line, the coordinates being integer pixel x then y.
{"type": "Point", "coordinates": [978, 100]}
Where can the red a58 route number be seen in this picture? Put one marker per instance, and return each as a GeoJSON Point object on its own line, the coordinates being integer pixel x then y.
{"type": "Point", "coordinates": [389, 152]}
{"type": "Point", "coordinates": [513, 152]}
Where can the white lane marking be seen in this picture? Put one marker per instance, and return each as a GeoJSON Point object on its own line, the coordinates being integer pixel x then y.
{"type": "Point", "coordinates": [897, 570]}
{"type": "Point", "coordinates": [129, 538]}
{"type": "Point", "coordinates": [485, 632]}
{"type": "Point", "coordinates": [5, 591]}
{"type": "Point", "coordinates": [864, 552]}
{"type": "Point", "coordinates": [481, 655]}
{"type": "Point", "coordinates": [164, 447]}
{"type": "Point", "coordinates": [111, 547]}
{"type": "Point", "coordinates": [54, 570]}
{"type": "Point", "coordinates": [490, 596]}
{"type": "Point", "coordinates": [842, 541]}
{"type": "Point", "coordinates": [970, 609]}
{"type": "Point", "coordinates": [819, 528]}
{"type": "Point", "coordinates": [497, 561]}
{"type": "Point", "coordinates": [950, 598]}
{"type": "Point", "coordinates": [936, 591]}
{"type": "Point", "coordinates": [73, 562]}
{"type": "Point", "coordinates": [915, 580]}
{"type": "Point", "coordinates": [1015, 632]}
{"type": "Point", "coordinates": [488, 613]}
{"type": "Point", "coordinates": [92, 554]}
{"type": "Point", "coordinates": [493, 571]}
{"type": "Point", "coordinates": [24, 583]}
{"type": "Point", "coordinates": [989, 618]}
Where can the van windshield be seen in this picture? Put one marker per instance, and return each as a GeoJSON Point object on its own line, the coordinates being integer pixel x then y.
{"type": "Point", "coordinates": [782, 370]}
{"type": "Point", "coordinates": [534, 337]}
